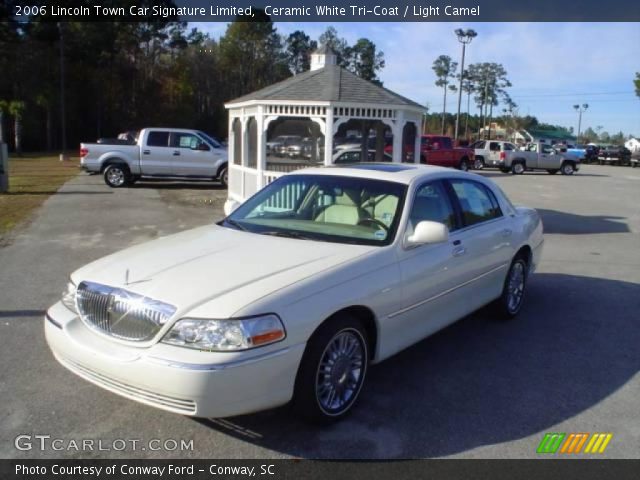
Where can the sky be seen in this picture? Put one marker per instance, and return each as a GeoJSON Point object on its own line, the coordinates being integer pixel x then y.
{"type": "Point", "coordinates": [552, 66]}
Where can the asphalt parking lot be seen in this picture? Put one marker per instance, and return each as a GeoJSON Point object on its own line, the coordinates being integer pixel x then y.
{"type": "Point", "coordinates": [478, 389]}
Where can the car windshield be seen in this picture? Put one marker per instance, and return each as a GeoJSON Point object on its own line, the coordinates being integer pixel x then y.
{"type": "Point", "coordinates": [325, 208]}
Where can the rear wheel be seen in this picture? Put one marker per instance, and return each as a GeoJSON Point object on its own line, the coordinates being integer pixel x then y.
{"type": "Point", "coordinates": [517, 168]}
{"type": "Point", "coordinates": [478, 164]}
{"type": "Point", "coordinates": [511, 299]}
{"type": "Point", "coordinates": [117, 175]}
{"type": "Point", "coordinates": [464, 165]}
{"type": "Point", "coordinates": [332, 370]}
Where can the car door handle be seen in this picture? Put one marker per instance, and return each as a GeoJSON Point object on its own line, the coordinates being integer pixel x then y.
{"type": "Point", "coordinates": [146, 152]}
{"type": "Point", "coordinates": [176, 153]}
{"type": "Point", "coordinates": [506, 232]}
{"type": "Point", "coordinates": [459, 250]}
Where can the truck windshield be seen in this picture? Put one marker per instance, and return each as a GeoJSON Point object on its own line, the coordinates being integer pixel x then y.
{"type": "Point", "coordinates": [214, 143]}
{"type": "Point", "coordinates": [325, 208]}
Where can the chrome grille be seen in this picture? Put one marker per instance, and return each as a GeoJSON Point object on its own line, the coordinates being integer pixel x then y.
{"type": "Point", "coordinates": [120, 313]}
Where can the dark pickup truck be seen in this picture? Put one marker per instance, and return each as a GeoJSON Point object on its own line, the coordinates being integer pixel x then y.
{"type": "Point", "coordinates": [614, 155]}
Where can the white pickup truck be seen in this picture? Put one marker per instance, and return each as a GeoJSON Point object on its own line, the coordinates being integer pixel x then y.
{"type": "Point", "coordinates": [159, 153]}
{"type": "Point", "coordinates": [539, 156]}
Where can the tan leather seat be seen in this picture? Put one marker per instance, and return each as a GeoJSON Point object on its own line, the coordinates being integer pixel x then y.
{"type": "Point", "coordinates": [344, 210]}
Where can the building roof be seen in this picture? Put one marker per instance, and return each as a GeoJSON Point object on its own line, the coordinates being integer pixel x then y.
{"type": "Point", "coordinates": [551, 134]}
{"type": "Point", "coordinates": [329, 84]}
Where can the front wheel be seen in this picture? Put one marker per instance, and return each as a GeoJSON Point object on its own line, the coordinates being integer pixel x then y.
{"type": "Point", "coordinates": [510, 301]}
{"type": "Point", "coordinates": [567, 168]}
{"type": "Point", "coordinates": [332, 370]}
{"type": "Point", "coordinates": [116, 176]}
{"type": "Point", "coordinates": [224, 177]}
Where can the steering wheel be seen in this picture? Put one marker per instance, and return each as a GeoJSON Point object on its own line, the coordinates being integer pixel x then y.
{"type": "Point", "coordinates": [374, 221]}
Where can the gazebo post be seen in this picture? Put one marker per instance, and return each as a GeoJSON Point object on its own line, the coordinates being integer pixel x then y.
{"type": "Point", "coordinates": [328, 137]}
{"type": "Point", "coordinates": [398, 130]}
{"type": "Point", "coordinates": [417, 147]}
{"type": "Point", "coordinates": [261, 148]}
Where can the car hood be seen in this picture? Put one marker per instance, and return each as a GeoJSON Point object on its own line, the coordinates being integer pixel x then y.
{"type": "Point", "coordinates": [212, 263]}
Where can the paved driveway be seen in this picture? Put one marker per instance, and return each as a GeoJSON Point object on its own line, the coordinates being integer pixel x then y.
{"type": "Point", "coordinates": [478, 389]}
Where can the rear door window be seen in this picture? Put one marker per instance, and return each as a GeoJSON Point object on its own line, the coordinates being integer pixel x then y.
{"type": "Point", "coordinates": [158, 139]}
{"type": "Point", "coordinates": [477, 203]}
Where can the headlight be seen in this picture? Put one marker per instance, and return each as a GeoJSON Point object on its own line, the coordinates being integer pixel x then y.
{"type": "Point", "coordinates": [226, 335]}
{"type": "Point", "coordinates": [69, 297]}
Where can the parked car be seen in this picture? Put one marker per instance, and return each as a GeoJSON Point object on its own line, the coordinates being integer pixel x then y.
{"type": "Point", "coordinates": [591, 153]}
{"type": "Point", "coordinates": [490, 153]}
{"type": "Point", "coordinates": [539, 156]}
{"type": "Point", "coordinates": [614, 155]}
{"type": "Point", "coordinates": [159, 153]}
{"type": "Point", "coordinates": [578, 151]}
{"type": "Point", "coordinates": [354, 155]}
{"type": "Point", "coordinates": [297, 292]}
{"type": "Point", "coordinates": [279, 145]}
{"type": "Point", "coordinates": [439, 150]}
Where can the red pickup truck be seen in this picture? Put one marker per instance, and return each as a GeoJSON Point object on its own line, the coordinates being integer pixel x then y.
{"type": "Point", "coordinates": [439, 150]}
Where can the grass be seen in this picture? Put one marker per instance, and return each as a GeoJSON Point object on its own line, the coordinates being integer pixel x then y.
{"type": "Point", "coordinates": [32, 179]}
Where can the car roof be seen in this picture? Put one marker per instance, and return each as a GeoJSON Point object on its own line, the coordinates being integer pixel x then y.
{"type": "Point", "coordinates": [405, 173]}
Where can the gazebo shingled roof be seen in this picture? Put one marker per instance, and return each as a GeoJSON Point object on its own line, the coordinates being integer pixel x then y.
{"type": "Point", "coordinates": [331, 84]}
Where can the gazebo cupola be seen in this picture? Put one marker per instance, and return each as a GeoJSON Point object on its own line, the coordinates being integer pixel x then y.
{"type": "Point", "coordinates": [299, 122]}
{"type": "Point", "coordinates": [323, 56]}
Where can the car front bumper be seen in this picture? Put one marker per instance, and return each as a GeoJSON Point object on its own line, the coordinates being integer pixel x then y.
{"type": "Point", "coordinates": [177, 379]}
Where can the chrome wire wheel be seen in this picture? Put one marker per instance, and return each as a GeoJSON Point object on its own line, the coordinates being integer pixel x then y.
{"type": "Point", "coordinates": [341, 372]}
{"type": "Point", "coordinates": [515, 286]}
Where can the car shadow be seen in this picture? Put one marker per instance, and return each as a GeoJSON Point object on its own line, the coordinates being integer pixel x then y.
{"type": "Point", "coordinates": [490, 173]}
{"type": "Point", "coordinates": [479, 381]}
{"type": "Point", "coordinates": [555, 221]}
{"type": "Point", "coordinates": [178, 185]}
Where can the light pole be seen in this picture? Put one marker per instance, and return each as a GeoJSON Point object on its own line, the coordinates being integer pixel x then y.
{"type": "Point", "coordinates": [580, 109]}
{"type": "Point", "coordinates": [464, 37]}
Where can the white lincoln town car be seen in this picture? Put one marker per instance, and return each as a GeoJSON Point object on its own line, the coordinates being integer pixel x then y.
{"type": "Point", "coordinates": [297, 292]}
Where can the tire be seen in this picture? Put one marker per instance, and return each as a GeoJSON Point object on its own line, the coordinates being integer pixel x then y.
{"type": "Point", "coordinates": [341, 345]}
{"type": "Point", "coordinates": [568, 168]}
{"type": "Point", "coordinates": [117, 175]}
{"type": "Point", "coordinates": [517, 168]}
{"type": "Point", "coordinates": [224, 177]}
{"type": "Point", "coordinates": [509, 303]}
{"type": "Point", "coordinates": [478, 164]}
{"type": "Point", "coordinates": [552, 171]}
{"type": "Point", "coordinates": [464, 165]}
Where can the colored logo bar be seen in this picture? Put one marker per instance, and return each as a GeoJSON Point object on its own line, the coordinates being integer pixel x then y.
{"type": "Point", "coordinates": [573, 443]}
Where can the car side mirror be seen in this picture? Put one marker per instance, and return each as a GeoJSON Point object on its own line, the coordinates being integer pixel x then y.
{"type": "Point", "coordinates": [428, 232]}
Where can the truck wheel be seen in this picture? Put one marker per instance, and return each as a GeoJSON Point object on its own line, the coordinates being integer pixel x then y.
{"type": "Point", "coordinates": [517, 168]}
{"type": "Point", "coordinates": [117, 176]}
{"type": "Point", "coordinates": [464, 165]}
{"type": "Point", "coordinates": [567, 168]}
{"type": "Point", "coordinates": [552, 171]}
{"type": "Point", "coordinates": [332, 370]}
{"type": "Point", "coordinates": [478, 164]}
{"type": "Point", "coordinates": [224, 177]}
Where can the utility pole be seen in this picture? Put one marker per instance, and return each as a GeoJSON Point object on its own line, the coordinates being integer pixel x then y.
{"type": "Point", "coordinates": [464, 37]}
{"type": "Point", "coordinates": [580, 109]}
